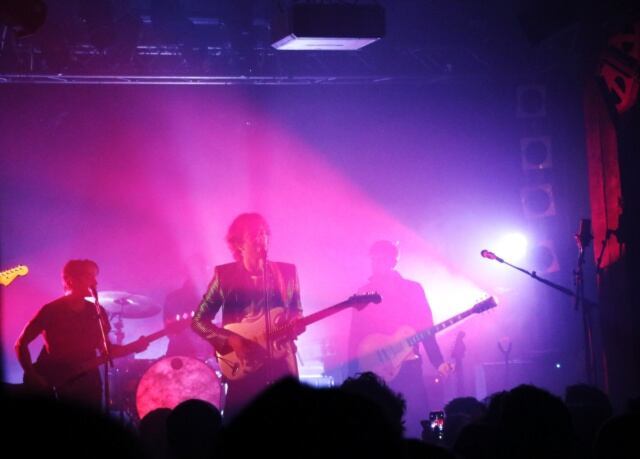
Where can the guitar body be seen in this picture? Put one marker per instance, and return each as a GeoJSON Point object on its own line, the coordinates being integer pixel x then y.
{"type": "Point", "coordinates": [255, 330]}
{"type": "Point", "coordinates": [385, 354]}
{"type": "Point", "coordinates": [283, 333]}
{"type": "Point", "coordinates": [61, 375]}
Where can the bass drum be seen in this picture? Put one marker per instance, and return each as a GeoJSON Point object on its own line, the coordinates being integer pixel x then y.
{"type": "Point", "coordinates": [172, 380]}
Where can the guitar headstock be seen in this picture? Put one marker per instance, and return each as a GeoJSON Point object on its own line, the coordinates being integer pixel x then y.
{"type": "Point", "coordinates": [360, 300]}
{"type": "Point", "coordinates": [484, 305]}
{"type": "Point", "coordinates": [6, 277]}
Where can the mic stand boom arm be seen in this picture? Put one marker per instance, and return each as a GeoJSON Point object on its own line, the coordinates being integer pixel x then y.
{"type": "Point", "coordinates": [579, 298]}
{"type": "Point", "coordinates": [547, 282]}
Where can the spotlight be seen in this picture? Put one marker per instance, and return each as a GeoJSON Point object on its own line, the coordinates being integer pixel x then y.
{"type": "Point", "coordinates": [513, 246]}
{"type": "Point", "coordinates": [536, 153]}
{"type": "Point", "coordinates": [537, 202]}
{"type": "Point", "coordinates": [330, 26]}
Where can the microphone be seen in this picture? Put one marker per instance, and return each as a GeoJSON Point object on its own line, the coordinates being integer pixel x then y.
{"type": "Point", "coordinates": [262, 255]}
{"type": "Point", "coordinates": [584, 236]}
{"type": "Point", "coordinates": [491, 256]}
{"type": "Point", "coordinates": [94, 292]}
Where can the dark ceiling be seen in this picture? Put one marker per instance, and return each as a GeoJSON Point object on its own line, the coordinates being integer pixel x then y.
{"type": "Point", "coordinates": [229, 42]}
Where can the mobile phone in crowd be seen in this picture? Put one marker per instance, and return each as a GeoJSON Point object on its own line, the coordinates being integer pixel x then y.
{"type": "Point", "coordinates": [436, 424]}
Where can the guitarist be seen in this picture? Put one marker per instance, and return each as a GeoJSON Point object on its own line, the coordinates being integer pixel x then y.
{"type": "Point", "coordinates": [71, 332]}
{"type": "Point", "coordinates": [403, 304]}
{"type": "Point", "coordinates": [246, 291]}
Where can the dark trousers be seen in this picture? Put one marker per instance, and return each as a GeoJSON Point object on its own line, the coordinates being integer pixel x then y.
{"type": "Point", "coordinates": [410, 384]}
{"type": "Point", "coordinates": [242, 392]}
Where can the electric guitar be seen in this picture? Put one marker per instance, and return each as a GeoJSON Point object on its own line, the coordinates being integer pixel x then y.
{"type": "Point", "coordinates": [59, 374]}
{"type": "Point", "coordinates": [281, 336]}
{"type": "Point", "coordinates": [385, 354]}
{"type": "Point", "coordinates": [6, 277]}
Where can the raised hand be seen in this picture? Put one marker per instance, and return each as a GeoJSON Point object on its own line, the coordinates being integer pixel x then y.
{"type": "Point", "coordinates": [446, 368]}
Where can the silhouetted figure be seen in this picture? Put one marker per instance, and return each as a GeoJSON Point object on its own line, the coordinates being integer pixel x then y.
{"type": "Point", "coordinates": [417, 449]}
{"type": "Point", "coordinates": [619, 438]}
{"type": "Point", "coordinates": [247, 291]}
{"type": "Point", "coordinates": [493, 403]}
{"type": "Point", "coordinates": [460, 412]}
{"type": "Point", "coordinates": [291, 420]}
{"type": "Point", "coordinates": [535, 424]}
{"type": "Point", "coordinates": [372, 387]}
{"type": "Point", "coordinates": [477, 440]}
{"type": "Point", "coordinates": [43, 427]}
{"type": "Point", "coordinates": [71, 328]}
{"type": "Point", "coordinates": [526, 422]}
{"type": "Point", "coordinates": [193, 429]}
{"type": "Point", "coordinates": [152, 431]}
{"type": "Point", "coordinates": [404, 311]}
{"type": "Point", "coordinates": [589, 408]}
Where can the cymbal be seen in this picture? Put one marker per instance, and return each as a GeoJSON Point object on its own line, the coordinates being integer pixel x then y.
{"type": "Point", "coordinates": [128, 305]}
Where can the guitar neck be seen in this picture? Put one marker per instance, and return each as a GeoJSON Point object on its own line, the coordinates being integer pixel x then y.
{"type": "Point", "coordinates": [123, 351]}
{"type": "Point", "coordinates": [311, 318]}
{"type": "Point", "coordinates": [439, 327]}
{"type": "Point", "coordinates": [316, 316]}
{"type": "Point", "coordinates": [158, 334]}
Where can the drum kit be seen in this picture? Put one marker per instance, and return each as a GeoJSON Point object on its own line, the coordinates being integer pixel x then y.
{"type": "Point", "coordinates": [139, 386]}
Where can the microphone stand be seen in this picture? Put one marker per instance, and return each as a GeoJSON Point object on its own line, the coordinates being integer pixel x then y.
{"type": "Point", "coordinates": [267, 316]}
{"type": "Point", "coordinates": [106, 352]}
{"type": "Point", "coordinates": [506, 352]}
{"type": "Point", "coordinates": [580, 301]}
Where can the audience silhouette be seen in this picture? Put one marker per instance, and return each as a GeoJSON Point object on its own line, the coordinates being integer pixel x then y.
{"type": "Point", "coordinates": [361, 418]}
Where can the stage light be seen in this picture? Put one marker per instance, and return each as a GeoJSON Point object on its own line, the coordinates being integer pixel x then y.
{"type": "Point", "coordinates": [328, 27]}
{"type": "Point", "coordinates": [512, 246]}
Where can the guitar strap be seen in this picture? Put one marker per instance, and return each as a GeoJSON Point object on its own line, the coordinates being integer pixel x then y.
{"type": "Point", "coordinates": [280, 285]}
{"type": "Point", "coordinates": [278, 278]}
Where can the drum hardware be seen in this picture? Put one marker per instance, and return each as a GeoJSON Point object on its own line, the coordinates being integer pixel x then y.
{"type": "Point", "coordinates": [128, 305]}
